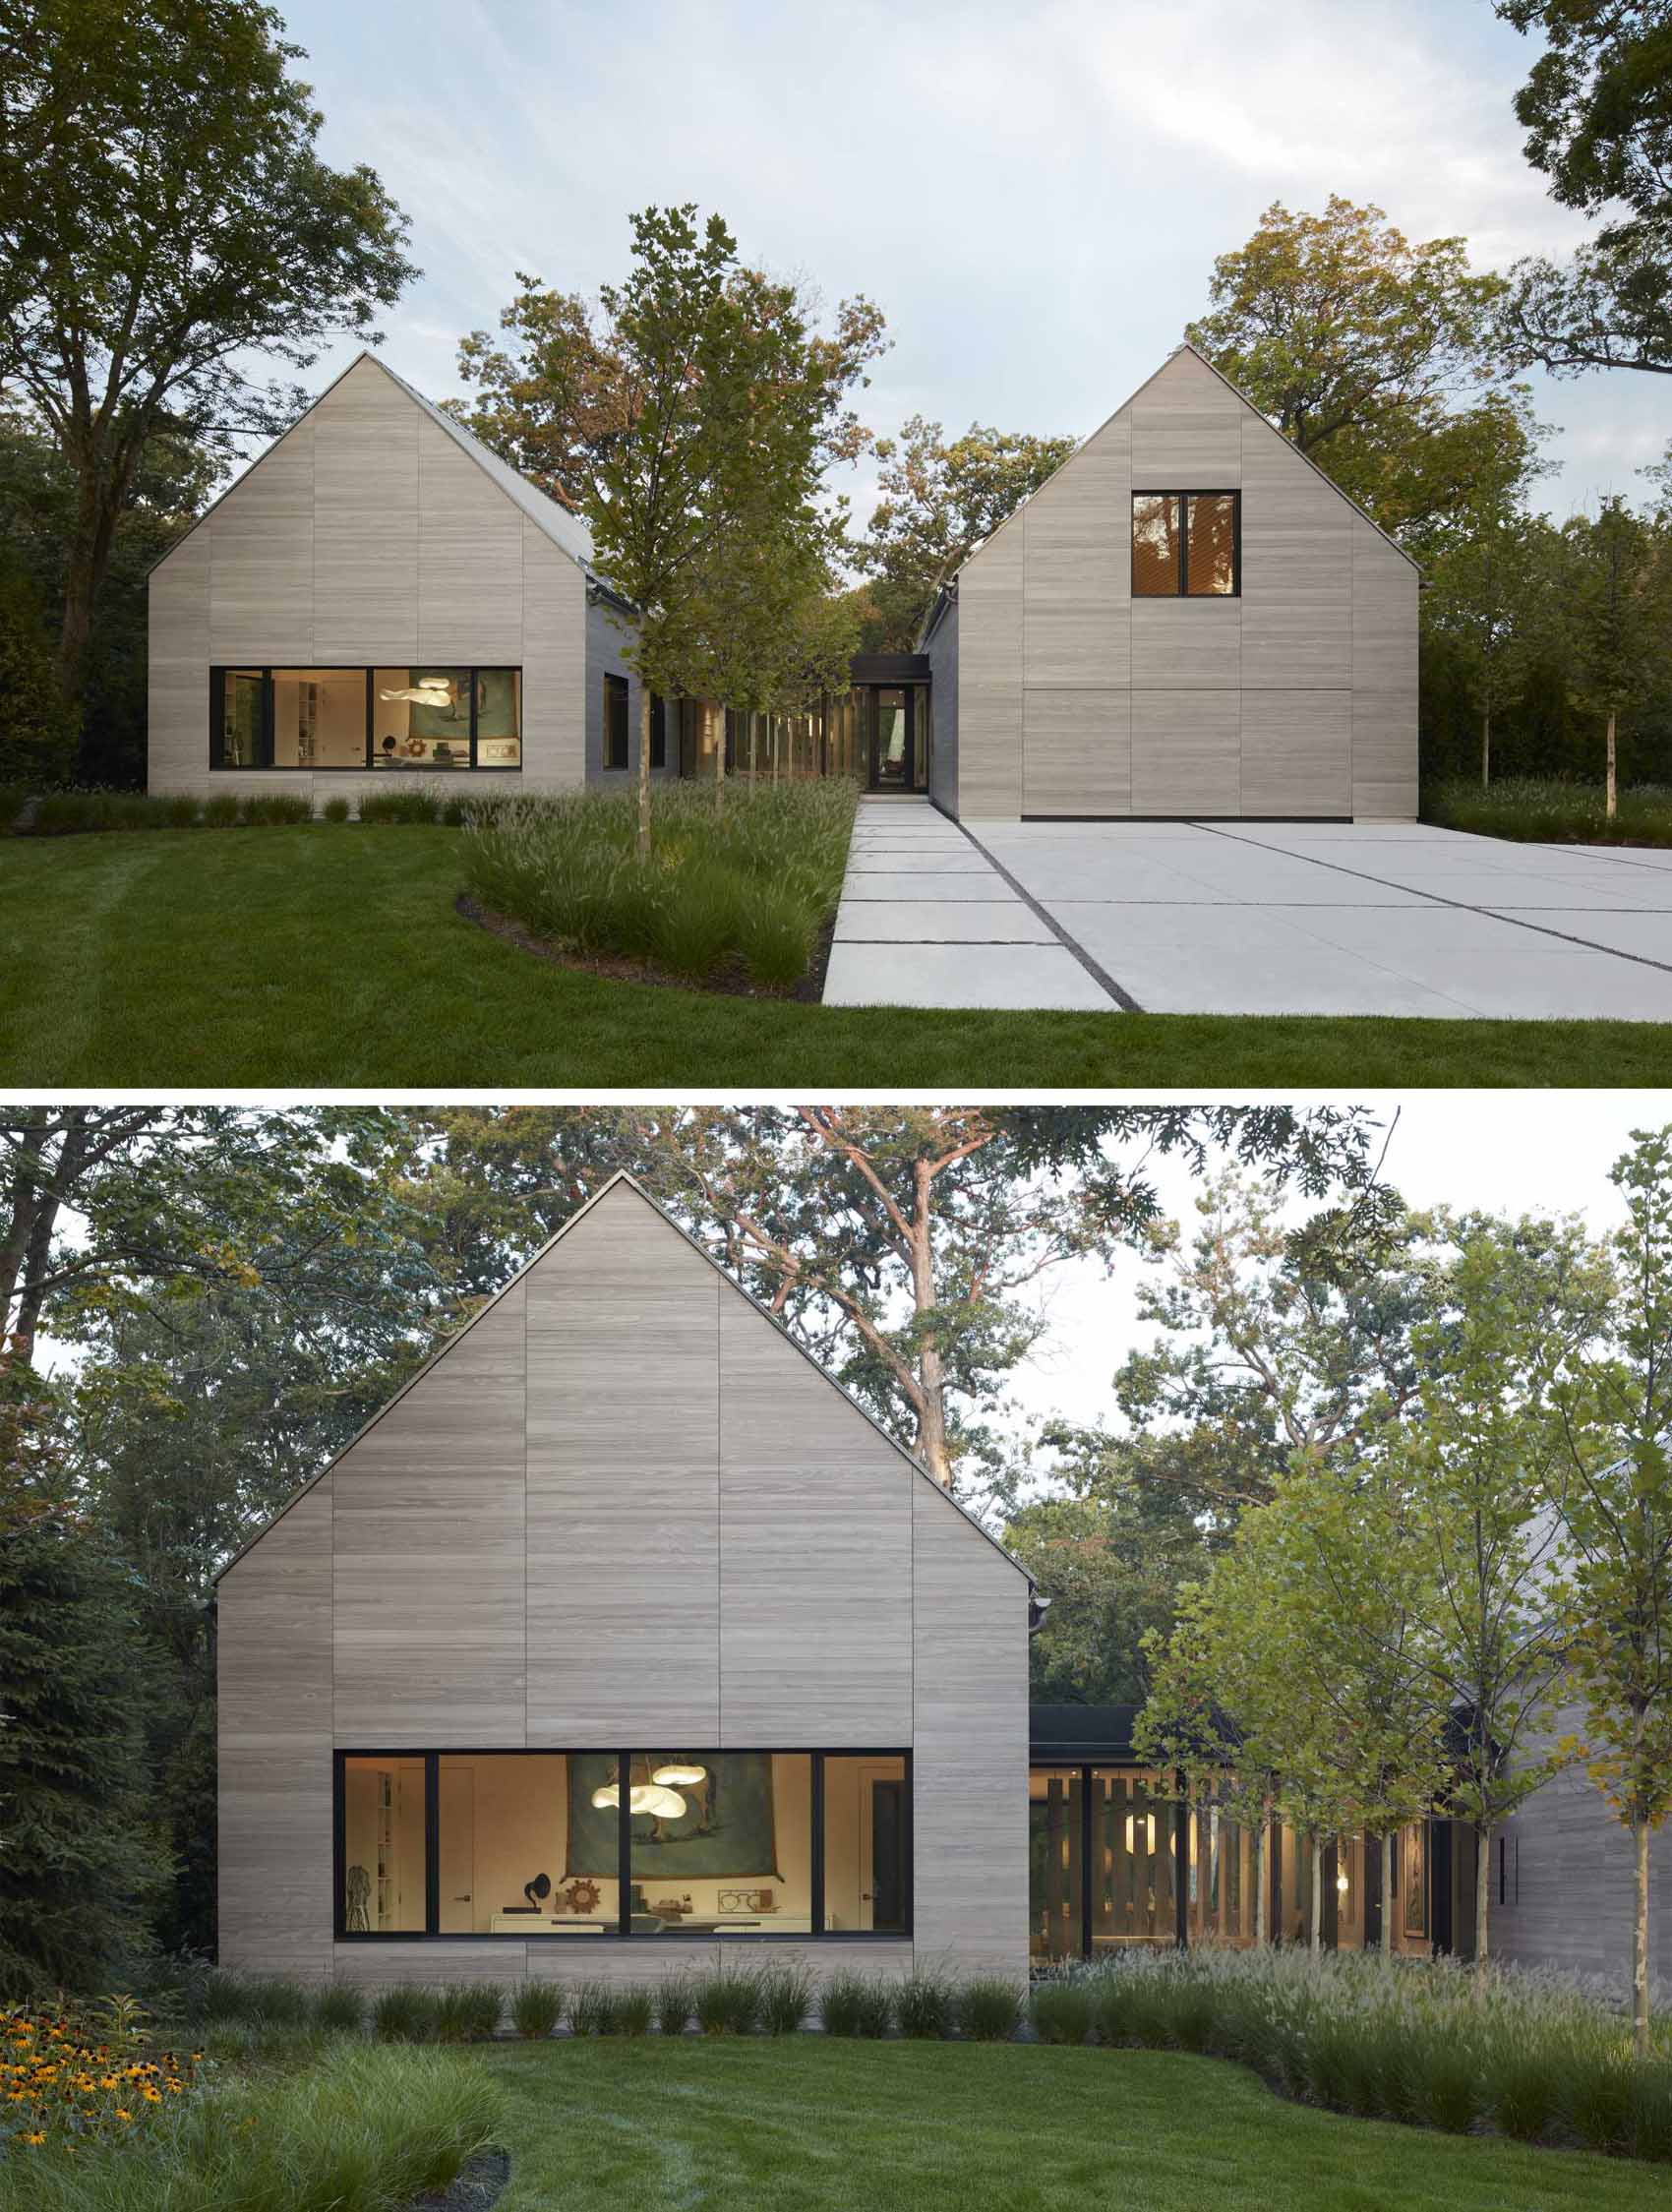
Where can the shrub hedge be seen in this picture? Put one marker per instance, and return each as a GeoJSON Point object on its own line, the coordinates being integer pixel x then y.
{"type": "Point", "coordinates": [1551, 811]}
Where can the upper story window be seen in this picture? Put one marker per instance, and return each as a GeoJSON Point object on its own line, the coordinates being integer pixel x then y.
{"type": "Point", "coordinates": [617, 750]}
{"type": "Point", "coordinates": [1186, 545]}
{"type": "Point", "coordinates": [425, 719]}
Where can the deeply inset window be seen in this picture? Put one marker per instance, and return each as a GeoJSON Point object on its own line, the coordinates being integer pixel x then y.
{"type": "Point", "coordinates": [615, 745]}
{"type": "Point", "coordinates": [867, 1847]}
{"type": "Point", "coordinates": [383, 1865]}
{"type": "Point", "coordinates": [429, 720]}
{"type": "Point", "coordinates": [1186, 545]}
{"type": "Point", "coordinates": [1056, 1890]}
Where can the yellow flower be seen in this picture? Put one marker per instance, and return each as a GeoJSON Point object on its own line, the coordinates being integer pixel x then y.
{"type": "Point", "coordinates": [122, 2113]}
{"type": "Point", "coordinates": [36, 2136]}
{"type": "Point", "coordinates": [152, 2096]}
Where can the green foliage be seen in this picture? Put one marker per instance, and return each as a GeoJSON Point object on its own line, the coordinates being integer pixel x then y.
{"type": "Point", "coordinates": [595, 2008]}
{"type": "Point", "coordinates": [38, 732]}
{"type": "Point", "coordinates": [406, 2013]}
{"type": "Point", "coordinates": [785, 1999]}
{"type": "Point", "coordinates": [851, 2003]}
{"type": "Point", "coordinates": [988, 2009]}
{"type": "Point", "coordinates": [940, 500]}
{"type": "Point", "coordinates": [674, 2003]}
{"type": "Point", "coordinates": [334, 809]}
{"type": "Point", "coordinates": [468, 2011]}
{"type": "Point", "coordinates": [341, 2009]}
{"type": "Point", "coordinates": [924, 2003]}
{"type": "Point", "coordinates": [536, 2007]}
{"type": "Point", "coordinates": [728, 2003]}
{"type": "Point", "coordinates": [1359, 346]}
{"type": "Point", "coordinates": [752, 885]}
{"type": "Point", "coordinates": [262, 808]}
{"type": "Point", "coordinates": [220, 809]}
{"type": "Point", "coordinates": [1552, 812]}
{"type": "Point", "coordinates": [1600, 125]}
{"type": "Point", "coordinates": [362, 2132]}
{"type": "Point", "coordinates": [636, 2011]}
{"type": "Point", "coordinates": [401, 803]}
{"type": "Point", "coordinates": [1062, 2011]}
{"type": "Point", "coordinates": [82, 1864]}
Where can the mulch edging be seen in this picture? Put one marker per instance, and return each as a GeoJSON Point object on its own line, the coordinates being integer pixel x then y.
{"type": "Point", "coordinates": [730, 981]}
{"type": "Point", "coordinates": [478, 2185]}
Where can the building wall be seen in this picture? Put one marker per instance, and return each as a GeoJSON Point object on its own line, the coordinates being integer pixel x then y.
{"type": "Point", "coordinates": [1299, 698]}
{"type": "Point", "coordinates": [364, 536]}
{"type": "Point", "coordinates": [623, 1509]}
{"type": "Point", "coordinates": [1568, 1883]}
{"type": "Point", "coordinates": [943, 711]}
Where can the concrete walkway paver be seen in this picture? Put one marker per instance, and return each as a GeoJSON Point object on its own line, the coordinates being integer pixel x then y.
{"type": "Point", "coordinates": [1307, 918]}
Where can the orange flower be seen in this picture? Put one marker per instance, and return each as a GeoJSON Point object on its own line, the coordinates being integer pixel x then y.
{"type": "Point", "coordinates": [36, 2136]}
{"type": "Point", "coordinates": [122, 2113]}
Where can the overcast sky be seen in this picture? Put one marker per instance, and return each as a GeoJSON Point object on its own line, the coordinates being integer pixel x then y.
{"type": "Point", "coordinates": [1506, 1151]}
{"type": "Point", "coordinates": [1034, 196]}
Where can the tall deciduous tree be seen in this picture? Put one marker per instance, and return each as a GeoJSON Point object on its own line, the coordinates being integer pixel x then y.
{"type": "Point", "coordinates": [1618, 617]}
{"type": "Point", "coordinates": [941, 499]}
{"type": "Point", "coordinates": [1367, 351]}
{"type": "Point", "coordinates": [1616, 1426]}
{"type": "Point", "coordinates": [164, 215]}
{"type": "Point", "coordinates": [1598, 107]}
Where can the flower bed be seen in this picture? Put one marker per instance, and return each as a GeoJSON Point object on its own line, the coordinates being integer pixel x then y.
{"type": "Point", "coordinates": [746, 891]}
{"type": "Point", "coordinates": [1551, 811]}
{"type": "Point", "coordinates": [73, 2075]}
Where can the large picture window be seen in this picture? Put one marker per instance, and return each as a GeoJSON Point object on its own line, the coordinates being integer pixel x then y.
{"type": "Point", "coordinates": [1186, 545]}
{"type": "Point", "coordinates": [733, 1844]}
{"type": "Point", "coordinates": [426, 719]}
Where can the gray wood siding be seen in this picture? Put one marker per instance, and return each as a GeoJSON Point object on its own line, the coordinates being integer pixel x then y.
{"type": "Point", "coordinates": [1315, 659]}
{"type": "Point", "coordinates": [366, 536]}
{"type": "Point", "coordinates": [621, 1509]}
{"type": "Point", "coordinates": [273, 1724]}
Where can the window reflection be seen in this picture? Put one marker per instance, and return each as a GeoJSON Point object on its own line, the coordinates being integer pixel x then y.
{"type": "Point", "coordinates": [1156, 521]}
{"type": "Point", "coordinates": [1210, 542]}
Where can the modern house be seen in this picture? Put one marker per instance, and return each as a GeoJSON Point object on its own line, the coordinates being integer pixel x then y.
{"type": "Point", "coordinates": [623, 1637]}
{"type": "Point", "coordinates": [1187, 620]}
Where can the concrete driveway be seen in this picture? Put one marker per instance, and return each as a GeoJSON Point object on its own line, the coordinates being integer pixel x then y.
{"type": "Point", "coordinates": [1255, 917]}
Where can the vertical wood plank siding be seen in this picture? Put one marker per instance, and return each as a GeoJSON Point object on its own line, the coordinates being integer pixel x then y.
{"type": "Point", "coordinates": [621, 1509]}
{"type": "Point", "coordinates": [1299, 698]}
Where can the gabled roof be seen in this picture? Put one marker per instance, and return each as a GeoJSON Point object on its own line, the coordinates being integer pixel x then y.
{"type": "Point", "coordinates": [567, 531]}
{"type": "Point", "coordinates": [622, 1176]}
{"type": "Point", "coordinates": [949, 590]}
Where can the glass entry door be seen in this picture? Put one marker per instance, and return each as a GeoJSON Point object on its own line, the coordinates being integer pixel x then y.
{"type": "Point", "coordinates": [891, 738]}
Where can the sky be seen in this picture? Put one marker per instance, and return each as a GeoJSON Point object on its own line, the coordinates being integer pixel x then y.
{"type": "Point", "coordinates": [1033, 196]}
{"type": "Point", "coordinates": [1506, 1151]}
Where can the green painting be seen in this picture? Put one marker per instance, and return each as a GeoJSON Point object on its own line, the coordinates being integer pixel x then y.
{"type": "Point", "coordinates": [726, 1831]}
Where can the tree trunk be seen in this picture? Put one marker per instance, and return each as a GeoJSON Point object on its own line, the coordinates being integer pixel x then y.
{"type": "Point", "coordinates": [643, 771]}
{"type": "Point", "coordinates": [1482, 1894]}
{"type": "Point", "coordinates": [1262, 1887]}
{"type": "Point", "coordinates": [1640, 1941]}
{"type": "Point", "coordinates": [717, 721]}
{"type": "Point", "coordinates": [1612, 794]}
{"type": "Point", "coordinates": [1387, 1895]}
{"type": "Point", "coordinates": [1315, 1914]}
{"type": "Point", "coordinates": [1486, 750]}
{"type": "Point", "coordinates": [931, 1371]}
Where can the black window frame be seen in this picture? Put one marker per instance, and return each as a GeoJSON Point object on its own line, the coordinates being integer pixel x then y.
{"type": "Point", "coordinates": [369, 765]}
{"type": "Point", "coordinates": [616, 688]}
{"type": "Point", "coordinates": [1180, 589]}
{"type": "Point", "coordinates": [430, 1932]}
{"type": "Point", "coordinates": [658, 731]}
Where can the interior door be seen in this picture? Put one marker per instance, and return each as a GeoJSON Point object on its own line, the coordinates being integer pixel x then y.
{"type": "Point", "coordinates": [456, 1857]}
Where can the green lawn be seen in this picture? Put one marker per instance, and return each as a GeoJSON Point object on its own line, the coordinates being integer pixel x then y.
{"type": "Point", "coordinates": [330, 956]}
{"type": "Point", "coordinates": [739, 2126]}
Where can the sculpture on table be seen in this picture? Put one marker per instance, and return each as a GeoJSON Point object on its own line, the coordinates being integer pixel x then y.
{"type": "Point", "coordinates": [538, 1890]}
{"type": "Point", "coordinates": [357, 1901]}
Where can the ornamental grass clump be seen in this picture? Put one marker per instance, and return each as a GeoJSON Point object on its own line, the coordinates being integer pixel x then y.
{"type": "Point", "coordinates": [468, 2011]}
{"type": "Point", "coordinates": [536, 2007]}
{"type": "Point", "coordinates": [727, 2004]}
{"type": "Point", "coordinates": [340, 2009]}
{"type": "Point", "coordinates": [1062, 2011]}
{"type": "Point", "coordinates": [856, 2004]}
{"type": "Point", "coordinates": [673, 2005]}
{"type": "Point", "coordinates": [266, 810]}
{"type": "Point", "coordinates": [1551, 811]}
{"type": "Point", "coordinates": [746, 890]}
{"type": "Point", "coordinates": [785, 1999]}
{"type": "Point", "coordinates": [595, 2008]}
{"type": "Point", "coordinates": [405, 2013]}
{"type": "Point", "coordinates": [923, 2004]}
{"type": "Point", "coordinates": [636, 2011]}
{"type": "Point", "coordinates": [334, 809]}
{"type": "Point", "coordinates": [989, 2008]}
{"type": "Point", "coordinates": [402, 804]}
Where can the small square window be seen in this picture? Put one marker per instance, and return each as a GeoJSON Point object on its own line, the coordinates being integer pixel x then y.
{"type": "Point", "coordinates": [1186, 545]}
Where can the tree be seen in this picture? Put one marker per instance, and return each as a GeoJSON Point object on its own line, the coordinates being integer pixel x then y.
{"type": "Point", "coordinates": [1616, 1426]}
{"type": "Point", "coordinates": [1360, 346]}
{"type": "Point", "coordinates": [81, 1862]}
{"type": "Point", "coordinates": [164, 215]}
{"type": "Point", "coordinates": [1616, 612]}
{"type": "Point", "coordinates": [552, 401]}
{"type": "Point", "coordinates": [939, 502]}
{"type": "Point", "coordinates": [39, 741]}
{"type": "Point", "coordinates": [1478, 1463]}
{"type": "Point", "coordinates": [1598, 114]}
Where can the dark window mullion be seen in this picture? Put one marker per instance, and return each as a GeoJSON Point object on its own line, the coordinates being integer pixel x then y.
{"type": "Point", "coordinates": [473, 672]}
{"type": "Point", "coordinates": [1085, 1862]}
{"type": "Point", "coordinates": [268, 718]}
{"type": "Point", "coordinates": [817, 1914]}
{"type": "Point", "coordinates": [432, 1843]}
{"type": "Point", "coordinates": [1185, 545]}
{"type": "Point", "coordinates": [623, 1843]}
{"type": "Point", "coordinates": [370, 719]}
{"type": "Point", "coordinates": [338, 1845]}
